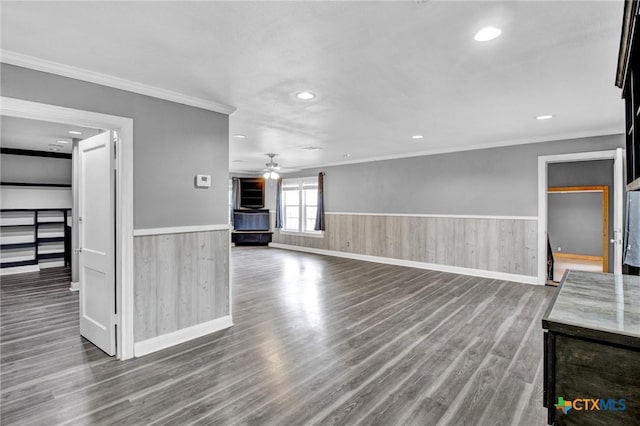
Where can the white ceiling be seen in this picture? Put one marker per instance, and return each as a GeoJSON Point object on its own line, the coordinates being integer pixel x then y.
{"type": "Point", "coordinates": [383, 71]}
{"type": "Point", "coordinates": [38, 135]}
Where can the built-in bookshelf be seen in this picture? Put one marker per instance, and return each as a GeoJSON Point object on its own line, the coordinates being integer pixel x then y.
{"type": "Point", "coordinates": [32, 239]}
{"type": "Point", "coordinates": [628, 79]}
{"type": "Point", "coordinates": [252, 193]}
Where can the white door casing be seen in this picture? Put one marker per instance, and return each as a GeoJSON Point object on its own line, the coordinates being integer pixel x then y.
{"type": "Point", "coordinates": [97, 241]}
{"type": "Point", "coordinates": [124, 202]}
{"type": "Point", "coordinates": [617, 156]}
{"type": "Point", "coordinates": [618, 198]}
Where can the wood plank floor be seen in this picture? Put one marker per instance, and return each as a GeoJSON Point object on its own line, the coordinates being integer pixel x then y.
{"type": "Point", "coordinates": [316, 340]}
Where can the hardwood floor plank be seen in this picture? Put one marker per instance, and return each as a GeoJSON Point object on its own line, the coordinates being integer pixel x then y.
{"type": "Point", "coordinates": [316, 340]}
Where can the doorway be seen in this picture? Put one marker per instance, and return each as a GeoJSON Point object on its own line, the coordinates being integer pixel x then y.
{"type": "Point", "coordinates": [578, 229]}
{"type": "Point", "coordinates": [123, 210]}
{"type": "Point", "coordinates": [615, 232]}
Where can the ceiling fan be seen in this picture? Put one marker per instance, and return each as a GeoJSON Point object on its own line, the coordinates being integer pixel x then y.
{"type": "Point", "coordinates": [271, 171]}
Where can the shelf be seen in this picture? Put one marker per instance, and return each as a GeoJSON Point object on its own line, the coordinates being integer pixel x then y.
{"type": "Point", "coordinates": [51, 240]}
{"type": "Point", "coordinates": [17, 238]}
{"type": "Point", "coordinates": [51, 256]}
{"type": "Point", "coordinates": [46, 185]}
{"type": "Point", "coordinates": [17, 245]}
{"type": "Point", "coordinates": [14, 264]}
{"type": "Point", "coordinates": [16, 218]}
{"type": "Point", "coordinates": [33, 239]}
{"type": "Point", "coordinates": [634, 186]}
{"type": "Point", "coordinates": [50, 263]}
{"type": "Point", "coordinates": [50, 248]}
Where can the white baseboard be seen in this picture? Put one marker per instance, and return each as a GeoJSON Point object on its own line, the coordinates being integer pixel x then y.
{"type": "Point", "coordinates": [525, 279]}
{"type": "Point", "coordinates": [180, 336]}
{"type": "Point", "coordinates": [19, 269]}
{"type": "Point", "coordinates": [74, 286]}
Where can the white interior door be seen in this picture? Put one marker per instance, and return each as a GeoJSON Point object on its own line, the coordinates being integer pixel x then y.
{"type": "Point", "coordinates": [618, 209]}
{"type": "Point", "coordinates": [96, 227]}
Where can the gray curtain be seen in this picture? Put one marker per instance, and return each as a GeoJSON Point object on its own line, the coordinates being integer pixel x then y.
{"type": "Point", "coordinates": [279, 221]}
{"type": "Point", "coordinates": [320, 212]}
{"type": "Point", "coordinates": [235, 196]}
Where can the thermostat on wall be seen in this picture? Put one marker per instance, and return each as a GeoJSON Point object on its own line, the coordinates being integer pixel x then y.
{"type": "Point", "coordinates": [203, 181]}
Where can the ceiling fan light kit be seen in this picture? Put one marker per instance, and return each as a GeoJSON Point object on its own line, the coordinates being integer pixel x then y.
{"type": "Point", "coordinates": [270, 172]}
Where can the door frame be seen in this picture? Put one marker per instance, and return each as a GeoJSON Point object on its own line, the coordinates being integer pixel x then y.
{"type": "Point", "coordinates": [605, 215]}
{"type": "Point", "coordinates": [617, 156]}
{"type": "Point", "coordinates": [20, 108]}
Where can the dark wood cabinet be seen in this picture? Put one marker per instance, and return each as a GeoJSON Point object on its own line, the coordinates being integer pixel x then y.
{"type": "Point", "coordinates": [592, 351]}
{"type": "Point", "coordinates": [628, 79]}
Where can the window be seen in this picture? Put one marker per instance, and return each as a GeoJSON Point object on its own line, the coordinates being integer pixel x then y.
{"type": "Point", "coordinates": [300, 201]}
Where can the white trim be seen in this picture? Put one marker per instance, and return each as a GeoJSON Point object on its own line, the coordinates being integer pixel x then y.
{"type": "Point", "coordinates": [19, 269]}
{"type": "Point", "coordinates": [31, 62]}
{"type": "Point", "coordinates": [543, 162]}
{"type": "Point", "coordinates": [180, 336]}
{"type": "Point", "coordinates": [179, 229]}
{"type": "Point", "coordinates": [124, 205]}
{"type": "Point", "coordinates": [319, 234]}
{"type": "Point", "coordinates": [454, 216]}
{"type": "Point", "coordinates": [525, 279]}
{"type": "Point", "coordinates": [74, 286]}
{"type": "Point", "coordinates": [565, 136]}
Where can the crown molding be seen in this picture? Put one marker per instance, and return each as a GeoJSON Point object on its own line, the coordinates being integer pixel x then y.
{"type": "Point", "coordinates": [613, 131]}
{"type": "Point", "coordinates": [38, 64]}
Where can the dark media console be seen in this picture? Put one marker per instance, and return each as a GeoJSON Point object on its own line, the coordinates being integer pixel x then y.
{"type": "Point", "coordinates": [251, 227]}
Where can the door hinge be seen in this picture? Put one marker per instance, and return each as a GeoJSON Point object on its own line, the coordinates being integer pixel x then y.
{"type": "Point", "coordinates": [114, 319]}
{"type": "Point", "coordinates": [115, 154]}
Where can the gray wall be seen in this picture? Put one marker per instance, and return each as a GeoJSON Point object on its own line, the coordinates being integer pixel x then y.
{"type": "Point", "coordinates": [496, 181]}
{"type": "Point", "coordinates": [582, 173]}
{"type": "Point", "coordinates": [22, 168]}
{"type": "Point", "coordinates": [172, 143]}
{"type": "Point", "coordinates": [575, 222]}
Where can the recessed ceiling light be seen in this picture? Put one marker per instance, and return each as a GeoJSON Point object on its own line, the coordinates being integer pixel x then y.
{"type": "Point", "coordinates": [61, 141]}
{"type": "Point", "coordinates": [305, 96]}
{"type": "Point", "coordinates": [239, 136]}
{"type": "Point", "coordinates": [487, 33]}
{"type": "Point", "coordinates": [311, 147]}
{"type": "Point", "coordinates": [75, 132]}
{"type": "Point", "coordinates": [544, 117]}
{"type": "Point", "coordinates": [417, 137]}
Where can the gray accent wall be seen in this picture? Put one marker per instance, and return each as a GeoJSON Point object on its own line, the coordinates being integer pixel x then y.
{"type": "Point", "coordinates": [497, 181]}
{"type": "Point", "coordinates": [181, 280]}
{"type": "Point", "coordinates": [575, 222]}
{"type": "Point", "coordinates": [490, 182]}
{"type": "Point", "coordinates": [582, 173]}
{"type": "Point", "coordinates": [172, 143]}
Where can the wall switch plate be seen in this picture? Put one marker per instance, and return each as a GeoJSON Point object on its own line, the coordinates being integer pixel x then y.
{"type": "Point", "coordinates": [203, 181]}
